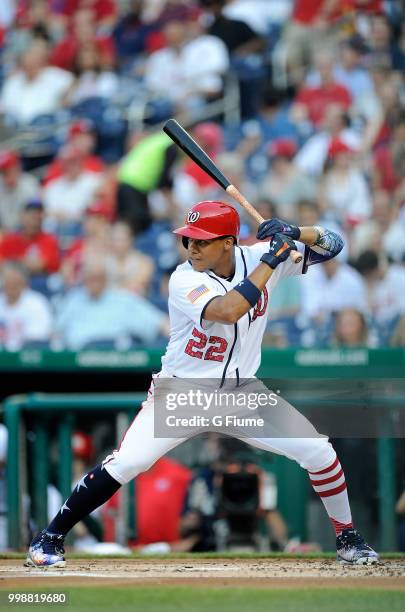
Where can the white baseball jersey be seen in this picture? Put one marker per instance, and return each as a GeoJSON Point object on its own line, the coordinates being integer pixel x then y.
{"type": "Point", "coordinates": [206, 349]}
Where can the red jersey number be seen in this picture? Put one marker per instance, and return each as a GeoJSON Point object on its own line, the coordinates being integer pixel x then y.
{"type": "Point", "coordinates": [193, 346]}
{"type": "Point", "coordinates": [215, 352]}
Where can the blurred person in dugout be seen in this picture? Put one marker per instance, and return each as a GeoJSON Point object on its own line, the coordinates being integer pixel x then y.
{"type": "Point", "coordinates": [159, 501]}
{"type": "Point", "coordinates": [16, 189]}
{"type": "Point", "coordinates": [400, 510]}
{"type": "Point", "coordinates": [3, 485]}
{"type": "Point", "coordinates": [226, 501]}
{"type": "Point", "coordinates": [218, 507]}
{"type": "Point", "coordinates": [89, 531]}
{"type": "Point", "coordinates": [25, 315]}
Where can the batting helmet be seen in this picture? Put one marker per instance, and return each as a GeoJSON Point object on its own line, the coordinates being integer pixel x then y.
{"type": "Point", "coordinates": [208, 220]}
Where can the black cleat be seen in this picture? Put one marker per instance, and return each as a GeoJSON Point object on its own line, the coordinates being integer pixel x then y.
{"type": "Point", "coordinates": [46, 550]}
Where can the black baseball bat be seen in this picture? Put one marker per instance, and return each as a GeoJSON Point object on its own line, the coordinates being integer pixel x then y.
{"type": "Point", "coordinates": [183, 140]}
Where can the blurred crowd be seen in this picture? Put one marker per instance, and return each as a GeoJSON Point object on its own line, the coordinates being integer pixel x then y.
{"type": "Point", "coordinates": [90, 186]}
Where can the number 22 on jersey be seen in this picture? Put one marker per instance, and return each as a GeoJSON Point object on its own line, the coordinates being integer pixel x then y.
{"type": "Point", "coordinates": [196, 348]}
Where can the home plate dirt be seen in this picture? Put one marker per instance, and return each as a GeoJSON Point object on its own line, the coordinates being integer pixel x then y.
{"type": "Point", "coordinates": [215, 572]}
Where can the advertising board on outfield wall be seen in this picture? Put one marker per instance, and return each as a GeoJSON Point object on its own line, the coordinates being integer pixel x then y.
{"type": "Point", "coordinates": [359, 362]}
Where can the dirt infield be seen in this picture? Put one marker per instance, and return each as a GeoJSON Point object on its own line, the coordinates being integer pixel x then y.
{"type": "Point", "coordinates": [279, 573]}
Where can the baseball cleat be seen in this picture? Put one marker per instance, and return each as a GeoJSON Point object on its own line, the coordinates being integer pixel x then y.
{"type": "Point", "coordinates": [353, 550]}
{"type": "Point", "coordinates": [46, 550]}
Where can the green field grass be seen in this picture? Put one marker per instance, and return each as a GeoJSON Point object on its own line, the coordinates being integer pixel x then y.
{"type": "Point", "coordinates": [208, 555]}
{"type": "Point", "coordinates": [222, 599]}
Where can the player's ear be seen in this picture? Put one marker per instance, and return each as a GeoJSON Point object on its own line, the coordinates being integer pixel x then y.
{"type": "Point", "coordinates": [228, 242]}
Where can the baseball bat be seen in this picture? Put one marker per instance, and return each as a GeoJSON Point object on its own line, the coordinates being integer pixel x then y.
{"type": "Point", "coordinates": [183, 140]}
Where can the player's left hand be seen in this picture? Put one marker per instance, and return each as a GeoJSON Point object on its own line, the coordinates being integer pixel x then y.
{"type": "Point", "coordinates": [280, 248]}
{"type": "Point", "coordinates": [270, 227]}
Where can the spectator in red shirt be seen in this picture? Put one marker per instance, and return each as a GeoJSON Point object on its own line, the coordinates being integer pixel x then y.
{"type": "Point", "coordinates": [311, 103]}
{"type": "Point", "coordinates": [369, 7]}
{"type": "Point", "coordinates": [37, 250]}
{"type": "Point", "coordinates": [389, 160]}
{"type": "Point", "coordinates": [104, 11]}
{"type": "Point", "coordinates": [82, 31]}
{"type": "Point", "coordinates": [82, 136]}
{"type": "Point", "coordinates": [313, 25]}
{"type": "Point", "coordinates": [344, 193]}
{"type": "Point", "coordinates": [92, 246]}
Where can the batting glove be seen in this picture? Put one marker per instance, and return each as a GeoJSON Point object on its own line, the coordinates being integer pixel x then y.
{"type": "Point", "coordinates": [280, 248]}
{"type": "Point", "coordinates": [270, 227]}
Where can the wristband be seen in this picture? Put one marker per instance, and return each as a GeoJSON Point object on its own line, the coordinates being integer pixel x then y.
{"type": "Point", "coordinates": [249, 291]}
{"type": "Point", "coordinates": [271, 260]}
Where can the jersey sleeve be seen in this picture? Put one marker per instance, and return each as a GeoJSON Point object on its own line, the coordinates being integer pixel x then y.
{"type": "Point", "coordinates": [191, 292]}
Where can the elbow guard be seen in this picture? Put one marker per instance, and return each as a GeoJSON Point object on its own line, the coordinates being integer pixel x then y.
{"type": "Point", "coordinates": [328, 245]}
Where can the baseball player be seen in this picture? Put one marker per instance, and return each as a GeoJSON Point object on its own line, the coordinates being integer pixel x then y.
{"type": "Point", "coordinates": [218, 305]}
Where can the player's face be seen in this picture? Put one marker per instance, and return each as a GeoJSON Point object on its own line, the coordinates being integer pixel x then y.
{"type": "Point", "coordinates": [208, 254]}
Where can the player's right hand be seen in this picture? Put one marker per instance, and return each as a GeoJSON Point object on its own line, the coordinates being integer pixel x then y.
{"type": "Point", "coordinates": [280, 248]}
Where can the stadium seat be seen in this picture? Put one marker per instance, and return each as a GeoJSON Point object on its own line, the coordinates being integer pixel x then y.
{"type": "Point", "coordinates": [289, 327]}
{"type": "Point", "coordinates": [41, 139]}
{"type": "Point", "coordinates": [159, 242]}
{"type": "Point", "coordinates": [110, 125]}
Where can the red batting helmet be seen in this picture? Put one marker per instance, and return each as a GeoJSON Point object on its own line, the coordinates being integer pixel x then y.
{"type": "Point", "coordinates": [208, 220]}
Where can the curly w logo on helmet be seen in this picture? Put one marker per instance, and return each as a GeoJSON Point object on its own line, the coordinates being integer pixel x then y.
{"type": "Point", "coordinates": [193, 216]}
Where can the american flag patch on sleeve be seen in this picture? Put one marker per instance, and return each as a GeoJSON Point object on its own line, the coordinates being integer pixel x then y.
{"type": "Point", "coordinates": [195, 294]}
